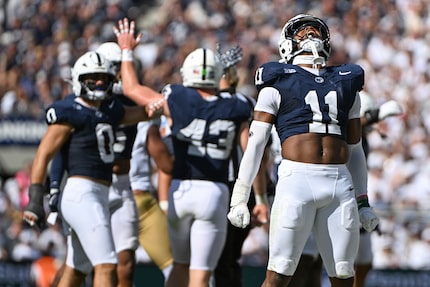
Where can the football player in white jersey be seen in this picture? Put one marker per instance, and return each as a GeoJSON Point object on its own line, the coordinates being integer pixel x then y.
{"type": "Point", "coordinates": [322, 178]}
{"type": "Point", "coordinates": [149, 149]}
{"type": "Point", "coordinates": [204, 128]}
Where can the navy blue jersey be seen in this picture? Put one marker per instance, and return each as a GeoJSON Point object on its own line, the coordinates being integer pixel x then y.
{"type": "Point", "coordinates": [89, 150]}
{"type": "Point", "coordinates": [125, 134]}
{"type": "Point", "coordinates": [311, 103]}
{"type": "Point", "coordinates": [204, 132]}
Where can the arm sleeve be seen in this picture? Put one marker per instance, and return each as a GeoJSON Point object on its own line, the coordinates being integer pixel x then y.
{"type": "Point", "coordinates": [56, 172]}
{"type": "Point", "coordinates": [259, 133]}
{"type": "Point", "coordinates": [357, 167]}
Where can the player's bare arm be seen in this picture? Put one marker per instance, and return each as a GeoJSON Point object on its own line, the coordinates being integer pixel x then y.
{"type": "Point", "coordinates": [56, 135]}
{"type": "Point", "coordinates": [158, 150]}
{"type": "Point", "coordinates": [142, 95]}
{"type": "Point", "coordinates": [135, 114]}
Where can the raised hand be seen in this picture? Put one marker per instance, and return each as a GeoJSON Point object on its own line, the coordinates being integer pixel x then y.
{"type": "Point", "coordinates": [230, 57]}
{"type": "Point", "coordinates": [125, 34]}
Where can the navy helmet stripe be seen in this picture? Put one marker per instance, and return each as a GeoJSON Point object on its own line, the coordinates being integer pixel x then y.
{"type": "Point", "coordinates": [204, 65]}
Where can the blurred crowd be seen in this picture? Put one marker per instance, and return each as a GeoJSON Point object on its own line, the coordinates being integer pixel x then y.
{"type": "Point", "coordinates": [390, 39]}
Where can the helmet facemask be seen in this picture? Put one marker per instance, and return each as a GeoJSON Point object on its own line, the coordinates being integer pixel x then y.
{"type": "Point", "coordinates": [96, 86]}
{"type": "Point", "coordinates": [310, 42]}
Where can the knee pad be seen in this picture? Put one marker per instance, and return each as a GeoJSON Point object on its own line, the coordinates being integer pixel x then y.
{"type": "Point", "coordinates": [344, 270]}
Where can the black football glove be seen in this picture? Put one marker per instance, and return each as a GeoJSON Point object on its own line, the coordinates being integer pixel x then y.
{"type": "Point", "coordinates": [34, 213]}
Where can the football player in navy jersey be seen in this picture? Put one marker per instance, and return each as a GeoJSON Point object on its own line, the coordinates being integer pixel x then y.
{"type": "Point", "coordinates": [82, 127]}
{"type": "Point", "coordinates": [228, 271]}
{"type": "Point", "coordinates": [124, 216]}
{"type": "Point", "coordinates": [204, 127]}
{"type": "Point", "coordinates": [322, 179]}
{"type": "Point", "coordinates": [308, 272]}
{"type": "Point", "coordinates": [122, 206]}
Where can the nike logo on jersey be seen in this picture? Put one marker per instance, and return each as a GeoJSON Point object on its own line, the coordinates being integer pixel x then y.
{"type": "Point", "coordinates": [344, 73]}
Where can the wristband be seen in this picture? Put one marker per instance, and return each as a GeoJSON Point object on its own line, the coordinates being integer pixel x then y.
{"type": "Point", "coordinates": [127, 55]}
{"type": "Point", "coordinates": [164, 205]}
{"type": "Point", "coordinates": [261, 198]}
{"type": "Point", "coordinates": [362, 201]}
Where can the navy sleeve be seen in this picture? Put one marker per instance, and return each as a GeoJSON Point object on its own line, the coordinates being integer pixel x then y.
{"type": "Point", "coordinates": [57, 171]}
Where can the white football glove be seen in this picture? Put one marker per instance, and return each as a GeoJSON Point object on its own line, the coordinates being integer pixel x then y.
{"type": "Point", "coordinates": [239, 214]}
{"type": "Point", "coordinates": [389, 109]}
{"type": "Point", "coordinates": [369, 220]}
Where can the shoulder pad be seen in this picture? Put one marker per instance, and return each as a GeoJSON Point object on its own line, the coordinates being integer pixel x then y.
{"type": "Point", "coordinates": [170, 89]}
{"type": "Point", "coordinates": [59, 111]}
{"type": "Point", "coordinates": [270, 72]}
{"type": "Point", "coordinates": [349, 72]}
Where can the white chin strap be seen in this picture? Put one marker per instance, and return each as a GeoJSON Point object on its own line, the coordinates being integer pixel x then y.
{"type": "Point", "coordinates": [313, 45]}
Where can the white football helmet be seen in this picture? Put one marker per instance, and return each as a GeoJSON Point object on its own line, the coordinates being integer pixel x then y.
{"type": "Point", "coordinates": [92, 63]}
{"type": "Point", "coordinates": [201, 69]}
{"type": "Point", "coordinates": [113, 53]}
{"type": "Point", "coordinates": [290, 47]}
